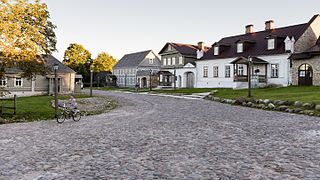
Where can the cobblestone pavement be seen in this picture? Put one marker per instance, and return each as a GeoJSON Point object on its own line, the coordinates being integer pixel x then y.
{"type": "Point", "coordinates": [150, 137]}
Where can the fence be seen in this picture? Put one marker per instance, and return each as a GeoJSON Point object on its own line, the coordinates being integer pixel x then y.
{"type": "Point", "coordinates": [13, 107]}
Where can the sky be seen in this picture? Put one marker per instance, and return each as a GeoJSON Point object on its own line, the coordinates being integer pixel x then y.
{"type": "Point", "coordinates": [119, 27]}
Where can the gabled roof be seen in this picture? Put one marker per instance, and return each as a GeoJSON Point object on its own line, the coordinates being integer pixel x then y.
{"type": "Point", "coordinates": [132, 60]}
{"type": "Point", "coordinates": [260, 38]}
{"type": "Point", "coordinates": [183, 49]}
{"type": "Point", "coordinates": [309, 53]}
{"type": "Point", "coordinates": [50, 61]}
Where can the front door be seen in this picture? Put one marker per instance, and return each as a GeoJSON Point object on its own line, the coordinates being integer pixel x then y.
{"type": "Point", "coordinates": [190, 80]}
{"type": "Point", "coordinates": [305, 74]}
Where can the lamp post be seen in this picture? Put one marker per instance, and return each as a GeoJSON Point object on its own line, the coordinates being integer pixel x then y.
{"type": "Point", "coordinates": [150, 83]}
{"type": "Point", "coordinates": [249, 75]}
{"type": "Point", "coordinates": [174, 78]}
{"type": "Point", "coordinates": [55, 68]}
{"type": "Point", "coordinates": [91, 76]}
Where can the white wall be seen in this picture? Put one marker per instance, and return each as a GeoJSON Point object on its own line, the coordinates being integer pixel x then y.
{"type": "Point", "coordinates": [222, 81]}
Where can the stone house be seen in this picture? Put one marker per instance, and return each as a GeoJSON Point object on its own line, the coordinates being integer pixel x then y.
{"type": "Point", "coordinates": [306, 66]}
{"type": "Point", "coordinates": [226, 63]}
{"type": "Point", "coordinates": [14, 83]}
{"type": "Point", "coordinates": [178, 64]}
{"type": "Point", "coordinates": [137, 68]}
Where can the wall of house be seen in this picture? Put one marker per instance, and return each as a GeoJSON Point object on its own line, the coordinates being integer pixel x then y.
{"type": "Point", "coordinates": [315, 64]}
{"type": "Point", "coordinates": [222, 82]}
{"type": "Point", "coordinates": [181, 74]}
{"type": "Point", "coordinates": [309, 37]}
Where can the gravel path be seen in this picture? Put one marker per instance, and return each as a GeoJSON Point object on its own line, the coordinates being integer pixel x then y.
{"type": "Point", "coordinates": [151, 137]}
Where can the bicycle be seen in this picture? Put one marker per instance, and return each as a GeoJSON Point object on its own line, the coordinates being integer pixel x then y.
{"type": "Point", "coordinates": [67, 112]}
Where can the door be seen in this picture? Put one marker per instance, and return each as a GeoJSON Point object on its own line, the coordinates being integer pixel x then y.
{"type": "Point", "coordinates": [190, 80]}
{"type": "Point", "coordinates": [144, 82]}
{"type": "Point", "coordinates": [305, 75]}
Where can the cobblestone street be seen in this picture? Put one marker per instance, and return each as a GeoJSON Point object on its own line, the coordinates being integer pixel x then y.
{"type": "Point", "coordinates": [151, 137]}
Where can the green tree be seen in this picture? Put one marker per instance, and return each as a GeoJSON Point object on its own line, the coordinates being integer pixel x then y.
{"type": "Point", "coordinates": [104, 62]}
{"type": "Point", "coordinates": [76, 56]}
{"type": "Point", "coordinates": [26, 35]}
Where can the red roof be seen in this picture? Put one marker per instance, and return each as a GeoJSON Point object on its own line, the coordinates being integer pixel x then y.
{"type": "Point", "coordinates": [256, 43]}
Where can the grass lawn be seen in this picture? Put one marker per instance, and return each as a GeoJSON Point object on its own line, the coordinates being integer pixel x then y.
{"type": "Point", "coordinates": [32, 108]}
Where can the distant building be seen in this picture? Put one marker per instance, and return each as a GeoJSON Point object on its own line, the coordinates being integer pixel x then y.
{"type": "Point", "coordinates": [136, 68]}
{"type": "Point", "coordinates": [16, 84]}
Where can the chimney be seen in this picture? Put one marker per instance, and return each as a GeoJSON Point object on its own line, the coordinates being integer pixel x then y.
{"type": "Point", "coordinates": [249, 29]}
{"type": "Point", "coordinates": [269, 25]}
{"type": "Point", "coordinates": [201, 45]}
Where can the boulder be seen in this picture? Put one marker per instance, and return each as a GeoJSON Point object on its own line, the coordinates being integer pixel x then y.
{"type": "Point", "coordinates": [283, 108]}
{"type": "Point", "coordinates": [216, 98]}
{"type": "Point", "coordinates": [271, 106]}
{"type": "Point", "coordinates": [317, 107]}
{"type": "Point", "coordinates": [297, 104]}
{"type": "Point", "coordinates": [307, 106]}
{"type": "Point", "coordinates": [280, 103]}
{"type": "Point", "coordinates": [266, 101]}
{"type": "Point", "coordinates": [297, 110]}
{"type": "Point", "coordinates": [261, 106]}
{"type": "Point", "coordinates": [249, 104]}
{"type": "Point", "coordinates": [308, 112]}
{"type": "Point", "coordinates": [244, 104]}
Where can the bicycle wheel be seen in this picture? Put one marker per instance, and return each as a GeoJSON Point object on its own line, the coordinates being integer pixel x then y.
{"type": "Point", "coordinates": [61, 117]}
{"type": "Point", "coordinates": [76, 116]}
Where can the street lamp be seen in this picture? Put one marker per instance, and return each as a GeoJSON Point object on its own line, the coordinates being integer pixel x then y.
{"type": "Point", "coordinates": [55, 68]}
{"type": "Point", "coordinates": [249, 75]}
{"type": "Point", "coordinates": [150, 83]}
{"type": "Point", "coordinates": [91, 76]}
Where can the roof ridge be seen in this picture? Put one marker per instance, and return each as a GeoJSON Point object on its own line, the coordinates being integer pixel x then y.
{"type": "Point", "coordinates": [139, 52]}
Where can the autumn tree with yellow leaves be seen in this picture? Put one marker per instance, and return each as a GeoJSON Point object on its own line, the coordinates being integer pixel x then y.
{"type": "Point", "coordinates": [104, 62]}
{"type": "Point", "coordinates": [26, 35]}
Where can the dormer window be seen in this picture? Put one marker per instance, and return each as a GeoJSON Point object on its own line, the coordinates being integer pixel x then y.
{"type": "Point", "coordinates": [239, 47]}
{"type": "Point", "coordinates": [271, 43]}
{"type": "Point", "coordinates": [216, 50]}
{"type": "Point", "coordinates": [150, 61]}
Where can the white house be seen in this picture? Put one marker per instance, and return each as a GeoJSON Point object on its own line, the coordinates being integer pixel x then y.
{"type": "Point", "coordinates": [226, 63]}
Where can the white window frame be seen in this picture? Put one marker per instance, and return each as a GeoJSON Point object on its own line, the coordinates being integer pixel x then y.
{"type": "Point", "coordinates": [150, 61]}
{"type": "Point", "coordinates": [205, 71]}
{"type": "Point", "coordinates": [215, 71]}
{"type": "Point", "coordinates": [239, 47]}
{"type": "Point", "coordinates": [15, 82]}
{"type": "Point", "coordinates": [173, 61]}
{"type": "Point", "coordinates": [169, 61]}
{"type": "Point", "coordinates": [216, 50]}
{"type": "Point", "coordinates": [4, 82]}
{"type": "Point", "coordinates": [227, 71]}
{"type": "Point", "coordinates": [274, 70]}
{"type": "Point", "coordinates": [271, 44]}
{"type": "Point", "coordinates": [164, 61]}
{"type": "Point", "coordinates": [180, 60]}
{"type": "Point", "coordinates": [240, 70]}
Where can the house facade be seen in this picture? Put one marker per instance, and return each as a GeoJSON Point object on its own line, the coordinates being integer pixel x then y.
{"type": "Point", "coordinates": [137, 68]}
{"type": "Point", "coordinates": [178, 64]}
{"type": "Point", "coordinates": [14, 83]}
{"type": "Point", "coordinates": [264, 55]}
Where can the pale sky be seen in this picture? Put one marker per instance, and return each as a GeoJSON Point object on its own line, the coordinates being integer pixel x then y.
{"type": "Point", "coordinates": [120, 27]}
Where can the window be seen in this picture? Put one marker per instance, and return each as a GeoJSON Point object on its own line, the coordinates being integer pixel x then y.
{"type": "Point", "coordinates": [150, 61]}
{"type": "Point", "coordinates": [174, 61]}
{"type": "Point", "coordinates": [227, 71]}
{"type": "Point", "coordinates": [3, 82]}
{"type": "Point", "coordinates": [239, 47]}
{"type": "Point", "coordinates": [180, 60]}
{"type": "Point", "coordinates": [274, 70]}
{"type": "Point", "coordinates": [215, 71]}
{"type": "Point", "coordinates": [240, 70]}
{"type": "Point", "coordinates": [205, 71]}
{"type": "Point", "coordinates": [216, 51]}
{"type": "Point", "coordinates": [18, 82]}
{"type": "Point", "coordinates": [164, 61]}
{"type": "Point", "coordinates": [169, 61]}
{"type": "Point", "coordinates": [170, 48]}
{"type": "Point", "coordinates": [271, 44]}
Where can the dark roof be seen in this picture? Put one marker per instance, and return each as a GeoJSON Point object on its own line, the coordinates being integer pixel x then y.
{"type": "Point", "coordinates": [50, 61]}
{"type": "Point", "coordinates": [184, 49]}
{"type": "Point", "coordinates": [132, 60]}
{"type": "Point", "coordinates": [258, 42]}
{"type": "Point", "coordinates": [243, 60]}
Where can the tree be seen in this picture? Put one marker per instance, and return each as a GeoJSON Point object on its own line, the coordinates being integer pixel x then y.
{"type": "Point", "coordinates": [26, 35]}
{"type": "Point", "coordinates": [76, 56]}
{"type": "Point", "coordinates": [104, 62]}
